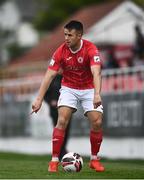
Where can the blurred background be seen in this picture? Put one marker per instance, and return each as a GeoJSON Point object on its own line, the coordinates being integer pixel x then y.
{"type": "Point", "coordinates": [30, 31]}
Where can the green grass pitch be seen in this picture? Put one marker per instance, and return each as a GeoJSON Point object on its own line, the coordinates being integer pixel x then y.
{"type": "Point", "coordinates": [19, 166]}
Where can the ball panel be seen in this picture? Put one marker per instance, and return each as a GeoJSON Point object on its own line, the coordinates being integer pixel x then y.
{"type": "Point", "coordinates": [70, 168]}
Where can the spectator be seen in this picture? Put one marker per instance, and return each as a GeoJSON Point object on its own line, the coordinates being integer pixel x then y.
{"type": "Point", "coordinates": [112, 62]}
{"type": "Point", "coordinates": [139, 43]}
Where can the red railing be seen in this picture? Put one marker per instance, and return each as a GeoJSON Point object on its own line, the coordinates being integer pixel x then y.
{"type": "Point", "coordinates": [121, 80]}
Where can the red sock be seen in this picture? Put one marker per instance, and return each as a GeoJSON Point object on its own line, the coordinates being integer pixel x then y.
{"type": "Point", "coordinates": [95, 139]}
{"type": "Point", "coordinates": [57, 141]}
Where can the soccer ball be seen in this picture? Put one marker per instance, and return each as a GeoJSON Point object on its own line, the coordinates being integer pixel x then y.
{"type": "Point", "coordinates": [72, 162]}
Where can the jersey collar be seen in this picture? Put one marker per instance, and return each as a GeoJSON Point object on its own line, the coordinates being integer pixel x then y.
{"type": "Point", "coordinates": [74, 52]}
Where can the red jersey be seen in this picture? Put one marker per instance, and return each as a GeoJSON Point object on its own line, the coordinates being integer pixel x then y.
{"type": "Point", "coordinates": [76, 65]}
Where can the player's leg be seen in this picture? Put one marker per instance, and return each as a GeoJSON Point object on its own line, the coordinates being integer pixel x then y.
{"type": "Point", "coordinates": [96, 137]}
{"type": "Point", "coordinates": [95, 118]}
{"type": "Point", "coordinates": [54, 115]}
{"type": "Point", "coordinates": [67, 104]}
{"type": "Point", "coordinates": [64, 115]}
{"type": "Point", "coordinates": [64, 146]}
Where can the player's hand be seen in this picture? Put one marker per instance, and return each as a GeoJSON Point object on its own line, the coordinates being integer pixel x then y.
{"type": "Point", "coordinates": [97, 100]}
{"type": "Point", "coordinates": [36, 105]}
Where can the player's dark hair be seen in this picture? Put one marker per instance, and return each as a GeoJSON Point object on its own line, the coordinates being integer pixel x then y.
{"type": "Point", "coordinates": [74, 25]}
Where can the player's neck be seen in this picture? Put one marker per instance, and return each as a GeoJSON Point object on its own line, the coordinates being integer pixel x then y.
{"type": "Point", "coordinates": [77, 47]}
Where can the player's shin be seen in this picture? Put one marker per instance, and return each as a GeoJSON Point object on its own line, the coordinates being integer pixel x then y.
{"type": "Point", "coordinates": [57, 142]}
{"type": "Point", "coordinates": [95, 140]}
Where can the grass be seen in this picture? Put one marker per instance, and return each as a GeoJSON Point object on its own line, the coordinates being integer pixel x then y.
{"type": "Point", "coordinates": [19, 166]}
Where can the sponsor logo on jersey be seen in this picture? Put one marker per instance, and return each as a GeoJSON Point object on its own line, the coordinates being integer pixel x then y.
{"type": "Point", "coordinates": [80, 60]}
{"type": "Point", "coordinates": [76, 68]}
{"type": "Point", "coordinates": [52, 61]}
{"type": "Point", "coordinates": [96, 59]}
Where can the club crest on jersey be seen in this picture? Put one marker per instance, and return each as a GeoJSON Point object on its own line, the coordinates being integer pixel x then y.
{"type": "Point", "coordinates": [80, 60]}
{"type": "Point", "coordinates": [52, 61]}
{"type": "Point", "coordinates": [96, 59]}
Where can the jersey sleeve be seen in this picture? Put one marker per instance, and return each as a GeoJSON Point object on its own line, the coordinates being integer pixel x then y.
{"type": "Point", "coordinates": [94, 56]}
{"type": "Point", "coordinates": [55, 60]}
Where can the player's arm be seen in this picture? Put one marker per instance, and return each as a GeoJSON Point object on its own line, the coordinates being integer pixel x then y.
{"type": "Point", "coordinates": [53, 69]}
{"type": "Point", "coordinates": [95, 64]}
{"type": "Point", "coordinates": [49, 76]}
{"type": "Point", "coordinates": [96, 72]}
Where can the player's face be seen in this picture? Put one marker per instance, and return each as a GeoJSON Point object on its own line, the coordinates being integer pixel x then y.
{"type": "Point", "coordinates": [72, 38]}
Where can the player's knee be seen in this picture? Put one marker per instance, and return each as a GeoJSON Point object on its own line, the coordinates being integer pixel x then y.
{"type": "Point", "coordinates": [62, 123]}
{"type": "Point", "coordinates": [97, 124]}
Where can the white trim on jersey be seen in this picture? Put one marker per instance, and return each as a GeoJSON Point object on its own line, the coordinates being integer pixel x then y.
{"type": "Point", "coordinates": [74, 52]}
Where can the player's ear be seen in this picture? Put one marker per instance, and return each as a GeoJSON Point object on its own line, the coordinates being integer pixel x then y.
{"type": "Point", "coordinates": [79, 35]}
